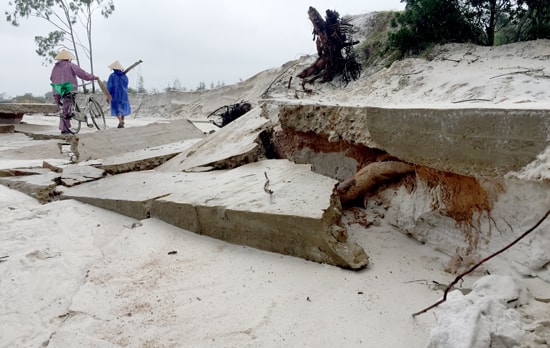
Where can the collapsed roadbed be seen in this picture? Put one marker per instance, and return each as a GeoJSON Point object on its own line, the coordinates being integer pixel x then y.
{"type": "Point", "coordinates": [276, 178]}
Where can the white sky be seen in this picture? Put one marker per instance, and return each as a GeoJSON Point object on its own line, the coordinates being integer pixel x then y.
{"type": "Point", "coordinates": [208, 41]}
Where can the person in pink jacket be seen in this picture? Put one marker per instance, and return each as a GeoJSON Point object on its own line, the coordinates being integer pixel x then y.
{"type": "Point", "coordinates": [66, 71]}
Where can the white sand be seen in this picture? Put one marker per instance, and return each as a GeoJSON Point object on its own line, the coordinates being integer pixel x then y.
{"type": "Point", "coordinates": [73, 275]}
{"type": "Point", "coordinates": [94, 278]}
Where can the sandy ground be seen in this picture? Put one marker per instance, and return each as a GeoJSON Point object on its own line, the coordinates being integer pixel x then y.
{"type": "Point", "coordinates": [73, 275]}
{"type": "Point", "coordinates": [88, 277]}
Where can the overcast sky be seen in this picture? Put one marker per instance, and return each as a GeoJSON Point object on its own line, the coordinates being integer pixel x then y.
{"type": "Point", "coordinates": [210, 41]}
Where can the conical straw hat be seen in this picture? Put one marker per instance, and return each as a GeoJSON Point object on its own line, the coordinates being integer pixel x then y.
{"type": "Point", "coordinates": [64, 55]}
{"type": "Point", "coordinates": [116, 65]}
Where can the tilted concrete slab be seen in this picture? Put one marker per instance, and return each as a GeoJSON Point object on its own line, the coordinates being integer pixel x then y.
{"type": "Point", "coordinates": [24, 171]}
{"type": "Point", "coordinates": [112, 142]}
{"type": "Point", "coordinates": [23, 148]}
{"type": "Point", "coordinates": [22, 165]}
{"type": "Point", "coordinates": [78, 174]}
{"type": "Point", "coordinates": [7, 128]}
{"type": "Point", "coordinates": [468, 141]}
{"type": "Point", "coordinates": [142, 159]}
{"type": "Point", "coordinates": [28, 108]}
{"type": "Point", "coordinates": [43, 132]}
{"type": "Point", "coordinates": [273, 205]}
{"type": "Point", "coordinates": [40, 184]}
{"type": "Point", "coordinates": [233, 145]}
{"type": "Point", "coordinates": [12, 113]}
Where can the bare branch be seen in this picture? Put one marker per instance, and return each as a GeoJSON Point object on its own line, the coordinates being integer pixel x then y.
{"type": "Point", "coordinates": [459, 277]}
{"type": "Point", "coordinates": [473, 99]}
{"type": "Point", "coordinates": [519, 72]}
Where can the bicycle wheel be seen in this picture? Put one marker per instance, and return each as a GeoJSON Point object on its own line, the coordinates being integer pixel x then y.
{"type": "Point", "coordinates": [75, 126]}
{"type": "Point", "coordinates": [69, 102]}
{"type": "Point", "coordinates": [96, 114]}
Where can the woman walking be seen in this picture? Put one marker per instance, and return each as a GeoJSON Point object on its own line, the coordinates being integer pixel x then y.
{"type": "Point", "coordinates": [64, 74]}
{"type": "Point", "coordinates": [117, 84]}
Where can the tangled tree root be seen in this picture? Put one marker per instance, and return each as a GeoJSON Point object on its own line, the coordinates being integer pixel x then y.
{"type": "Point", "coordinates": [466, 200]}
{"type": "Point", "coordinates": [334, 48]}
{"type": "Point", "coordinates": [370, 177]}
{"type": "Point", "coordinates": [229, 113]}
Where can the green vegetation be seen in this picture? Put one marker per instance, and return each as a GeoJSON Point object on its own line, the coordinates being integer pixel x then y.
{"type": "Point", "coordinates": [374, 46]}
{"type": "Point", "coordinates": [29, 98]}
{"type": "Point", "coordinates": [426, 23]}
{"type": "Point", "coordinates": [484, 22]}
{"type": "Point", "coordinates": [26, 98]}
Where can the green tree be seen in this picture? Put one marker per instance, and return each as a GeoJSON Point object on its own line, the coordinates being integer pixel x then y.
{"type": "Point", "coordinates": [29, 98]}
{"type": "Point", "coordinates": [491, 16]}
{"type": "Point", "coordinates": [201, 87]}
{"type": "Point", "coordinates": [534, 20]}
{"type": "Point", "coordinates": [4, 98]}
{"type": "Point", "coordinates": [427, 22]}
{"type": "Point", "coordinates": [177, 84]}
{"type": "Point", "coordinates": [485, 22]}
{"type": "Point", "coordinates": [68, 17]}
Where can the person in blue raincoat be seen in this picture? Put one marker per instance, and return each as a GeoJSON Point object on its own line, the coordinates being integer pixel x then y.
{"type": "Point", "coordinates": [117, 84]}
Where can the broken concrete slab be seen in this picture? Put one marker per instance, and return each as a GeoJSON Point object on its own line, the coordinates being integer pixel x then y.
{"type": "Point", "coordinates": [467, 141]}
{"type": "Point", "coordinates": [38, 131]}
{"type": "Point", "coordinates": [142, 159]}
{"type": "Point", "coordinates": [28, 108]}
{"type": "Point", "coordinates": [273, 205]}
{"type": "Point", "coordinates": [40, 186]}
{"type": "Point", "coordinates": [7, 128]}
{"type": "Point", "coordinates": [112, 142]}
{"type": "Point", "coordinates": [236, 144]}
{"type": "Point", "coordinates": [54, 167]}
{"type": "Point", "coordinates": [12, 113]}
{"type": "Point", "coordinates": [22, 171]}
{"type": "Point", "coordinates": [77, 174]}
{"type": "Point", "coordinates": [23, 166]}
{"type": "Point", "coordinates": [21, 147]}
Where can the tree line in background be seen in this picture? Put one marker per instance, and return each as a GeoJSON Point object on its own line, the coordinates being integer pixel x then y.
{"type": "Point", "coordinates": [482, 22]}
{"type": "Point", "coordinates": [48, 97]}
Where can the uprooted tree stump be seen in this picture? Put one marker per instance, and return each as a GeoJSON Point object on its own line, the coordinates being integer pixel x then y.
{"type": "Point", "coordinates": [334, 47]}
{"type": "Point", "coordinates": [229, 113]}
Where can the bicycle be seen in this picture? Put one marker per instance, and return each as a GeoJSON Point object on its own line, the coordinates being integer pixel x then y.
{"type": "Point", "coordinates": [92, 111]}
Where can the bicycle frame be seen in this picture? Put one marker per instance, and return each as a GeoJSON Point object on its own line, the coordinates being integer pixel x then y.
{"type": "Point", "coordinates": [92, 113]}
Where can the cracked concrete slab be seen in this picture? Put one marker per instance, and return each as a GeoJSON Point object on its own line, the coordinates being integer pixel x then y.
{"type": "Point", "coordinates": [41, 184]}
{"type": "Point", "coordinates": [142, 159]}
{"type": "Point", "coordinates": [12, 113]}
{"type": "Point", "coordinates": [38, 131]}
{"type": "Point", "coordinates": [467, 141]}
{"type": "Point", "coordinates": [235, 144]}
{"type": "Point", "coordinates": [273, 205]}
{"type": "Point", "coordinates": [23, 149]}
{"type": "Point", "coordinates": [9, 128]}
{"type": "Point", "coordinates": [28, 108]}
{"type": "Point", "coordinates": [78, 174]}
{"type": "Point", "coordinates": [113, 141]}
